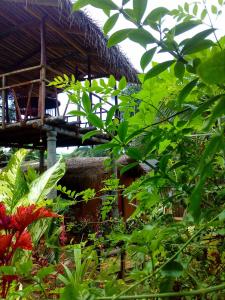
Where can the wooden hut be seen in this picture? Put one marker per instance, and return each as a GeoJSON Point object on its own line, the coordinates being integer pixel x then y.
{"type": "Point", "coordinates": [39, 40]}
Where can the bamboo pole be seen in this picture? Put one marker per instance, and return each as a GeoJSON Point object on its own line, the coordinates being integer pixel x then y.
{"type": "Point", "coordinates": [20, 71]}
{"type": "Point", "coordinates": [19, 84]}
{"type": "Point", "coordinates": [3, 100]}
{"type": "Point", "coordinates": [28, 101]}
{"type": "Point", "coordinates": [42, 93]}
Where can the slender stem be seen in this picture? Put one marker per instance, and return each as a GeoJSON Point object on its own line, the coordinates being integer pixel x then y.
{"type": "Point", "coordinates": [172, 294]}
{"type": "Point", "coordinates": [168, 261]}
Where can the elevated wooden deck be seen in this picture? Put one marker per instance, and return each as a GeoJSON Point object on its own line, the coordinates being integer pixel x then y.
{"type": "Point", "coordinates": [33, 134]}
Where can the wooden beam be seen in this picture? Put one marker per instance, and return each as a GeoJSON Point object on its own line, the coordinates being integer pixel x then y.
{"type": "Point", "coordinates": [3, 101]}
{"type": "Point", "coordinates": [35, 2]}
{"type": "Point", "coordinates": [52, 26]}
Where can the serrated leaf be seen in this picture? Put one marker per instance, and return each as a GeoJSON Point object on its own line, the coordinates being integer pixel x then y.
{"type": "Point", "coordinates": [110, 23]}
{"type": "Point", "coordinates": [141, 36]}
{"type": "Point", "coordinates": [214, 65]}
{"type": "Point", "coordinates": [118, 36]}
{"type": "Point", "coordinates": [90, 134]}
{"type": "Point", "coordinates": [147, 57]}
{"type": "Point", "coordinates": [159, 68]}
{"type": "Point", "coordinates": [179, 70]}
{"type": "Point", "coordinates": [186, 90]}
{"type": "Point", "coordinates": [139, 7]}
{"type": "Point", "coordinates": [95, 120]}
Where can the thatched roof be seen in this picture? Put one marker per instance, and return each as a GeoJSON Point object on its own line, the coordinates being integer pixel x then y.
{"type": "Point", "coordinates": [72, 39]}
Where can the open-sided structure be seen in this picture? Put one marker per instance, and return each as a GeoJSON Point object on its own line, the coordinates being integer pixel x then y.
{"type": "Point", "coordinates": [40, 39]}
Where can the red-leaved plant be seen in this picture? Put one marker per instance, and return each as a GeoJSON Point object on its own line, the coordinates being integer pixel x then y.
{"type": "Point", "coordinates": [14, 235]}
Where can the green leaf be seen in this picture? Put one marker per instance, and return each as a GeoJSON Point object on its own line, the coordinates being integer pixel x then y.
{"type": "Point", "coordinates": [104, 4]}
{"type": "Point", "coordinates": [156, 15]}
{"type": "Point", "coordinates": [218, 111]}
{"type": "Point", "coordinates": [122, 83]}
{"type": "Point", "coordinates": [112, 81]}
{"type": "Point", "coordinates": [125, 2]}
{"type": "Point", "coordinates": [214, 9]}
{"type": "Point", "coordinates": [80, 4]}
{"type": "Point", "coordinates": [183, 27]}
{"type": "Point", "coordinates": [110, 115]}
{"type": "Point", "coordinates": [195, 9]}
{"type": "Point", "coordinates": [95, 120]}
{"type": "Point", "coordinates": [139, 7]}
{"type": "Point", "coordinates": [86, 102]}
{"type": "Point", "coordinates": [90, 134]}
{"type": "Point", "coordinates": [203, 107]}
{"type": "Point", "coordinates": [159, 68]}
{"type": "Point", "coordinates": [199, 46]}
{"type": "Point", "coordinates": [77, 113]}
{"type": "Point", "coordinates": [118, 36]}
{"type": "Point", "coordinates": [122, 130]}
{"type": "Point", "coordinates": [134, 153]}
{"type": "Point", "coordinates": [214, 65]}
{"type": "Point", "coordinates": [172, 269]}
{"type": "Point", "coordinates": [196, 39]}
{"type": "Point", "coordinates": [43, 185]}
{"type": "Point", "coordinates": [110, 23]}
{"type": "Point", "coordinates": [44, 272]}
{"type": "Point", "coordinates": [147, 57]}
{"type": "Point", "coordinates": [179, 70]}
{"type": "Point", "coordinates": [128, 167]}
{"type": "Point", "coordinates": [186, 90]}
{"type": "Point", "coordinates": [186, 7]}
{"type": "Point", "coordinates": [203, 14]}
{"type": "Point", "coordinates": [141, 36]}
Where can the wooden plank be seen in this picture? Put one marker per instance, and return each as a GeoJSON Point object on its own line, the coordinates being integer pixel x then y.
{"type": "Point", "coordinates": [19, 84]}
{"type": "Point", "coordinates": [20, 71]}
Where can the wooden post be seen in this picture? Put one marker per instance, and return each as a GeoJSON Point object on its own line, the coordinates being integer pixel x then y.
{"type": "Point", "coordinates": [3, 101]}
{"type": "Point", "coordinates": [89, 77]}
{"type": "Point", "coordinates": [41, 161]}
{"type": "Point", "coordinates": [42, 93]}
{"type": "Point", "coordinates": [51, 155]}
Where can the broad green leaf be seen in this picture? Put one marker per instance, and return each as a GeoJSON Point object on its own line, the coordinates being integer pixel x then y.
{"type": "Point", "coordinates": [199, 46]}
{"type": "Point", "coordinates": [77, 113]}
{"type": "Point", "coordinates": [90, 134]}
{"type": "Point", "coordinates": [128, 167]}
{"type": "Point", "coordinates": [45, 271]}
{"type": "Point", "coordinates": [183, 27]}
{"type": "Point", "coordinates": [110, 115]}
{"type": "Point", "coordinates": [95, 120]}
{"type": "Point", "coordinates": [147, 57]}
{"type": "Point", "coordinates": [196, 39]}
{"type": "Point", "coordinates": [214, 65]}
{"type": "Point", "coordinates": [141, 36]}
{"type": "Point", "coordinates": [179, 70]}
{"type": "Point", "coordinates": [139, 7]}
{"type": "Point", "coordinates": [159, 68]}
{"type": "Point", "coordinates": [186, 90]}
{"type": "Point", "coordinates": [186, 7]}
{"type": "Point", "coordinates": [203, 107]}
{"type": "Point", "coordinates": [134, 153]}
{"type": "Point", "coordinates": [86, 102]}
{"type": "Point", "coordinates": [122, 130]}
{"type": "Point", "coordinates": [122, 83]}
{"type": "Point", "coordinates": [43, 185]}
{"type": "Point", "coordinates": [118, 36]}
{"type": "Point", "coordinates": [104, 4]}
{"type": "Point", "coordinates": [156, 15]}
{"type": "Point", "coordinates": [220, 2]}
{"type": "Point", "coordinates": [110, 23]}
{"type": "Point", "coordinates": [172, 269]}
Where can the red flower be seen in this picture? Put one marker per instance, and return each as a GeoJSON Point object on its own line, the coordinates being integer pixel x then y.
{"type": "Point", "coordinates": [4, 219]}
{"type": "Point", "coordinates": [29, 214]}
{"type": "Point", "coordinates": [5, 242]}
{"type": "Point", "coordinates": [23, 241]}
